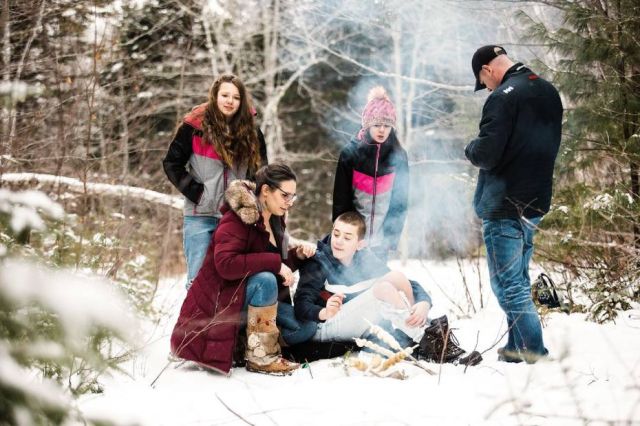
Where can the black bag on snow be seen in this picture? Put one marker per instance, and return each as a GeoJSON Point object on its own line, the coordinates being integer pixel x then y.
{"type": "Point", "coordinates": [543, 292]}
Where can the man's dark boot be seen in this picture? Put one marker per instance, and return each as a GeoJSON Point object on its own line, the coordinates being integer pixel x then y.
{"type": "Point", "coordinates": [438, 344]}
{"type": "Point", "coordinates": [506, 355]}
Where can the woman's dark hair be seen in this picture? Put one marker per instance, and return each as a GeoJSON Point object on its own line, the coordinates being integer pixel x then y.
{"type": "Point", "coordinates": [235, 141]}
{"type": "Point", "coordinates": [273, 175]}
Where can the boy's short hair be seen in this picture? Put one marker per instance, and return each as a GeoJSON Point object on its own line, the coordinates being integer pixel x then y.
{"type": "Point", "coordinates": [355, 219]}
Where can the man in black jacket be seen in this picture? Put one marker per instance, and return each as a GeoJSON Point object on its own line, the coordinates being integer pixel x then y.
{"type": "Point", "coordinates": [515, 151]}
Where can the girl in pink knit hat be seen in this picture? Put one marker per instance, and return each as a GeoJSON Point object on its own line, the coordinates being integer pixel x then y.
{"type": "Point", "coordinates": [372, 177]}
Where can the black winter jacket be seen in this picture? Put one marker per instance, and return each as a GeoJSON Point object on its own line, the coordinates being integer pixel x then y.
{"type": "Point", "coordinates": [517, 146]}
{"type": "Point", "coordinates": [324, 267]}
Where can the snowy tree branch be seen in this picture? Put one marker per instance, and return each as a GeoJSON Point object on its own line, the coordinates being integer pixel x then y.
{"type": "Point", "coordinates": [77, 185]}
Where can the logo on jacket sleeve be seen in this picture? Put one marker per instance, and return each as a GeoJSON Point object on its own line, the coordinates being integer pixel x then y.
{"type": "Point", "coordinates": [507, 90]}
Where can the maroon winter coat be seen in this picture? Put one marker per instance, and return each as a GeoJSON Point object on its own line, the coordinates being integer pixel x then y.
{"type": "Point", "coordinates": [210, 316]}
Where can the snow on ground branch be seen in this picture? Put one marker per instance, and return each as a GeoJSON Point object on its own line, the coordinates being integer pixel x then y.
{"type": "Point", "coordinates": [98, 188]}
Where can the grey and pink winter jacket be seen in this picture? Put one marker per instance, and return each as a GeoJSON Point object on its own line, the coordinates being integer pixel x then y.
{"type": "Point", "coordinates": [198, 172]}
{"type": "Point", "coordinates": [373, 179]}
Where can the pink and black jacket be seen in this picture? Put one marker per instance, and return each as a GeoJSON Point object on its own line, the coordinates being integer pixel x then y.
{"type": "Point", "coordinates": [196, 169]}
{"type": "Point", "coordinates": [373, 179]}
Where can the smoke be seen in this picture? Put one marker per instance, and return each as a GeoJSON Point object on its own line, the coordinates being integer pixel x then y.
{"type": "Point", "coordinates": [420, 51]}
{"type": "Point", "coordinates": [441, 220]}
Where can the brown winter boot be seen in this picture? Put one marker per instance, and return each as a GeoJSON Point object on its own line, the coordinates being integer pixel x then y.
{"type": "Point", "coordinates": [263, 351]}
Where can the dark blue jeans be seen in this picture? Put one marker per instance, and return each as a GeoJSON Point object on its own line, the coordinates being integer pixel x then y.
{"type": "Point", "coordinates": [262, 290]}
{"type": "Point", "coordinates": [509, 245]}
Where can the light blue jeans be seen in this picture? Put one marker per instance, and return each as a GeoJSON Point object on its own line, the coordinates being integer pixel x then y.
{"type": "Point", "coordinates": [196, 236]}
{"type": "Point", "coordinates": [509, 245]}
{"type": "Point", "coordinates": [262, 290]}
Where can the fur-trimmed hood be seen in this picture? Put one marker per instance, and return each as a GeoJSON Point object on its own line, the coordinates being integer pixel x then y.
{"type": "Point", "coordinates": [241, 198]}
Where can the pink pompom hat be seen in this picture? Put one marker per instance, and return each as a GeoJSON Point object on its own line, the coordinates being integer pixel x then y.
{"type": "Point", "coordinates": [379, 110]}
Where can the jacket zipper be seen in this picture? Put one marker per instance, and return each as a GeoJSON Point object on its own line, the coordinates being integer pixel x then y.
{"type": "Point", "coordinates": [375, 191]}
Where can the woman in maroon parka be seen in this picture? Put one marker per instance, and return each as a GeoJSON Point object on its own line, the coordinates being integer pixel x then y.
{"type": "Point", "coordinates": [246, 259]}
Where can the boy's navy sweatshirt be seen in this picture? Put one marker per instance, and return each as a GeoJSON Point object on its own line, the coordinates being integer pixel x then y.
{"type": "Point", "coordinates": [325, 268]}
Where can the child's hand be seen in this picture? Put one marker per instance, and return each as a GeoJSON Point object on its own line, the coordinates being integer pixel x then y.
{"type": "Point", "coordinates": [418, 316]}
{"type": "Point", "coordinates": [286, 274]}
{"type": "Point", "coordinates": [305, 250]}
{"type": "Point", "coordinates": [334, 304]}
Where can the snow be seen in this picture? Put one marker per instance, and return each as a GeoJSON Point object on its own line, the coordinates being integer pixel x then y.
{"type": "Point", "coordinates": [17, 89]}
{"type": "Point", "coordinates": [24, 208]}
{"type": "Point", "coordinates": [25, 218]}
{"type": "Point", "coordinates": [593, 376]}
{"type": "Point", "coordinates": [79, 302]}
{"type": "Point", "coordinates": [629, 199]}
{"type": "Point", "coordinates": [116, 67]}
{"type": "Point", "coordinates": [567, 237]}
{"type": "Point", "coordinates": [15, 376]}
{"type": "Point", "coordinates": [44, 349]}
{"type": "Point", "coordinates": [599, 202]}
{"type": "Point", "coordinates": [98, 188]}
{"type": "Point", "coordinates": [215, 8]}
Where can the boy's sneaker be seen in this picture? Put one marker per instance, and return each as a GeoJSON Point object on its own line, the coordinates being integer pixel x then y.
{"type": "Point", "coordinates": [438, 344]}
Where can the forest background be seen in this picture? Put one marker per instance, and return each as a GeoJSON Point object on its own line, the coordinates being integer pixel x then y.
{"type": "Point", "coordinates": [94, 90]}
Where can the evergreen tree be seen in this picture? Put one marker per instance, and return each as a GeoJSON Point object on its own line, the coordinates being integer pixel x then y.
{"type": "Point", "coordinates": [597, 199]}
{"type": "Point", "coordinates": [58, 331]}
{"type": "Point", "coordinates": [50, 45]}
{"type": "Point", "coordinates": [156, 69]}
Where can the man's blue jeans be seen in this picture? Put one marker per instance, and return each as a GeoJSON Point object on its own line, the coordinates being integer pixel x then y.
{"type": "Point", "coordinates": [196, 236]}
{"type": "Point", "coordinates": [509, 245]}
{"type": "Point", "coordinates": [262, 290]}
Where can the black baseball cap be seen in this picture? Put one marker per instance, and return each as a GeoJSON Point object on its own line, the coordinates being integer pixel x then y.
{"type": "Point", "coordinates": [483, 56]}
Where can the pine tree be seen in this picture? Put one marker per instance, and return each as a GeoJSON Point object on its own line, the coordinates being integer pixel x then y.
{"type": "Point", "coordinates": [597, 200]}
{"type": "Point", "coordinates": [48, 45]}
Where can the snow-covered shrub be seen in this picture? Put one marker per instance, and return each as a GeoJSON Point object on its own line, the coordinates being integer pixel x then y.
{"type": "Point", "coordinates": [597, 174]}
{"type": "Point", "coordinates": [589, 237]}
{"type": "Point", "coordinates": [57, 335]}
{"type": "Point", "coordinates": [20, 212]}
{"type": "Point", "coordinates": [59, 331]}
{"type": "Point", "coordinates": [97, 242]}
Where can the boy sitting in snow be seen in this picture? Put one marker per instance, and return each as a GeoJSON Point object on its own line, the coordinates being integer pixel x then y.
{"type": "Point", "coordinates": [345, 288]}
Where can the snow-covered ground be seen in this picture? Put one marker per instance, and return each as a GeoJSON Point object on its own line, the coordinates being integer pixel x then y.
{"type": "Point", "coordinates": [592, 378]}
